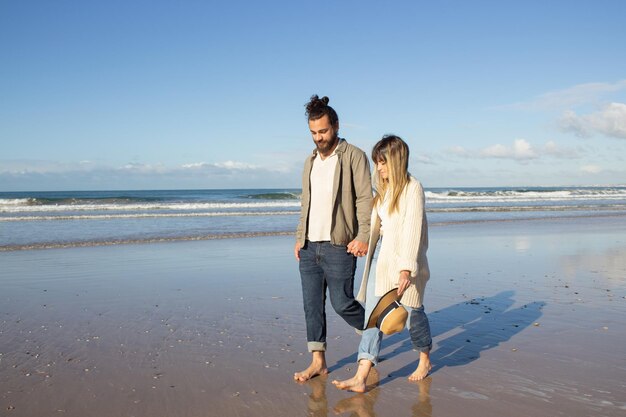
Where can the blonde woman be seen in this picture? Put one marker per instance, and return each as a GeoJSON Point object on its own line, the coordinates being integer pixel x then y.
{"type": "Point", "coordinates": [399, 221]}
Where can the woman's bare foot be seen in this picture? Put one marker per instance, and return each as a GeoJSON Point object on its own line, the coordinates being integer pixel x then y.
{"type": "Point", "coordinates": [354, 384]}
{"type": "Point", "coordinates": [423, 368]}
{"type": "Point", "coordinates": [317, 367]}
{"type": "Point", "coordinates": [358, 383]}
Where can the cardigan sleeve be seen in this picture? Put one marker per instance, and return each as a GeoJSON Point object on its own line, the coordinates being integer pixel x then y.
{"type": "Point", "coordinates": [411, 230]}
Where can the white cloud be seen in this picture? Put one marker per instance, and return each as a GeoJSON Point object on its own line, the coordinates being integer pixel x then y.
{"type": "Point", "coordinates": [142, 168]}
{"type": "Point", "coordinates": [552, 149]}
{"type": "Point", "coordinates": [38, 175]}
{"type": "Point", "coordinates": [235, 165]}
{"type": "Point", "coordinates": [570, 97]}
{"type": "Point", "coordinates": [496, 151]}
{"type": "Point", "coordinates": [591, 169]}
{"type": "Point", "coordinates": [423, 159]}
{"type": "Point", "coordinates": [457, 150]}
{"type": "Point", "coordinates": [194, 165]}
{"type": "Point", "coordinates": [520, 150]}
{"type": "Point", "coordinates": [610, 121]}
{"type": "Point", "coordinates": [25, 167]}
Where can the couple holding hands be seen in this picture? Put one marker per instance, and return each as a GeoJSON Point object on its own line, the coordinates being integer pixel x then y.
{"type": "Point", "coordinates": [340, 220]}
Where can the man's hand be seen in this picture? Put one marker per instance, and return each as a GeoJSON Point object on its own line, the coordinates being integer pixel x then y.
{"type": "Point", "coordinates": [296, 251]}
{"type": "Point", "coordinates": [357, 248]}
{"type": "Point", "coordinates": [403, 282]}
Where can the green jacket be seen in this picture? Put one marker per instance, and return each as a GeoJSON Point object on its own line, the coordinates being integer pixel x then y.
{"type": "Point", "coordinates": [352, 196]}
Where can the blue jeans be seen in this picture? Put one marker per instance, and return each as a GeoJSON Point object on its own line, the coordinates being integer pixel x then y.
{"type": "Point", "coordinates": [324, 265]}
{"type": "Point", "coordinates": [417, 323]}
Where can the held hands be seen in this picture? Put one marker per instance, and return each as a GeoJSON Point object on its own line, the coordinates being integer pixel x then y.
{"type": "Point", "coordinates": [403, 282]}
{"type": "Point", "coordinates": [357, 248]}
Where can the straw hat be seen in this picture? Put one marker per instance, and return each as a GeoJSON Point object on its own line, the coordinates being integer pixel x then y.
{"type": "Point", "coordinates": [388, 315]}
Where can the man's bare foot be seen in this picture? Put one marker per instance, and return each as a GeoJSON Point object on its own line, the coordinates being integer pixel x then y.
{"type": "Point", "coordinates": [354, 384]}
{"type": "Point", "coordinates": [311, 372]}
{"type": "Point", "coordinates": [423, 368]}
{"type": "Point", "coordinates": [317, 367]}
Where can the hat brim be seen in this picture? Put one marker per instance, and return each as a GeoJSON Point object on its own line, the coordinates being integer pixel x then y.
{"type": "Point", "coordinates": [382, 304]}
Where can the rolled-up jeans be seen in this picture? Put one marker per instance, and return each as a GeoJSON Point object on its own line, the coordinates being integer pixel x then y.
{"type": "Point", "coordinates": [417, 323]}
{"type": "Point", "coordinates": [324, 265]}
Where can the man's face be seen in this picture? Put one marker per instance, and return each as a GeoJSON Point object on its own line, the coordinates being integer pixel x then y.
{"type": "Point", "coordinates": [324, 134]}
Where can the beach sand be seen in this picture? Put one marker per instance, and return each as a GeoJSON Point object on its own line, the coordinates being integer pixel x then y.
{"type": "Point", "coordinates": [528, 318]}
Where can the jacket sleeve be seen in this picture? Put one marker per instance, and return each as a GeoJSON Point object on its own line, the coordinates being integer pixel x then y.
{"type": "Point", "coordinates": [304, 203]}
{"type": "Point", "coordinates": [362, 179]}
{"type": "Point", "coordinates": [411, 231]}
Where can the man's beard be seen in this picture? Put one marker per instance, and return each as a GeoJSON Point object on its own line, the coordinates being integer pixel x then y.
{"type": "Point", "coordinates": [325, 147]}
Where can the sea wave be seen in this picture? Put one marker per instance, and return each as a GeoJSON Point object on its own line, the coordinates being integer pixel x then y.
{"type": "Point", "coordinates": [274, 196]}
{"type": "Point", "coordinates": [524, 195]}
{"type": "Point", "coordinates": [485, 209]}
{"type": "Point", "coordinates": [505, 209]}
{"type": "Point", "coordinates": [12, 206]}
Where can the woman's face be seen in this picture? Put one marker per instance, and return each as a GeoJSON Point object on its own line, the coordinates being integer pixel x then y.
{"type": "Point", "coordinates": [381, 167]}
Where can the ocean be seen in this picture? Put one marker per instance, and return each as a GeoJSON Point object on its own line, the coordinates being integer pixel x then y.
{"type": "Point", "coordinates": [38, 220]}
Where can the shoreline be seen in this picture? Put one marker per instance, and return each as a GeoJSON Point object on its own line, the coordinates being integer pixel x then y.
{"type": "Point", "coordinates": [237, 235]}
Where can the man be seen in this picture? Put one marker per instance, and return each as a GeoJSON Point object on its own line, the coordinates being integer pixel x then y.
{"type": "Point", "coordinates": [333, 230]}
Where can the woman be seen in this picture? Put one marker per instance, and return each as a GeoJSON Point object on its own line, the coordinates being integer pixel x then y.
{"type": "Point", "coordinates": [399, 216]}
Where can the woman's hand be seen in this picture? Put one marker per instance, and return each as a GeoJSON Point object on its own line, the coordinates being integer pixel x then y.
{"type": "Point", "coordinates": [403, 282]}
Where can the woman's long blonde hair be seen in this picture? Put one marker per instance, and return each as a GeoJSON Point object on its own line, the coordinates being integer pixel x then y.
{"type": "Point", "coordinates": [394, 152]}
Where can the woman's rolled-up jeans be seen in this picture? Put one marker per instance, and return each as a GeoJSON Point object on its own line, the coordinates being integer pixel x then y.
{"type": "Point", "coordinates": [417, 323]}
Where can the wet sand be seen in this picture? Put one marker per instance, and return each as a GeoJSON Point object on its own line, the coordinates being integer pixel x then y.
{"type": "Point", "coordinates": [527, 319]}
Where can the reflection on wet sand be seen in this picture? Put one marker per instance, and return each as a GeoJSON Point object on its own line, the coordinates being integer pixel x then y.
{"type": "Point", "coordinates": [611, 263]}
{"type": "Point", "coordinates": [423, 406]}
{"type": "Point", "coordinates": [317, 404]}
{"type": "Point", "coordinates": [362, 405]}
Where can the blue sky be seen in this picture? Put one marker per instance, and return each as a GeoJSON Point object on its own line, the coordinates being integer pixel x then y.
{"type": "Point", "coordinates": [202, 94]}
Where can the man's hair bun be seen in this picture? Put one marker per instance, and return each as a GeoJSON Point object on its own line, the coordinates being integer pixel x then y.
{"type": "Point", "coordinates": [317, 108]}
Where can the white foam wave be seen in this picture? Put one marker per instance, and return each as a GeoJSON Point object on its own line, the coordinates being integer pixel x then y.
{"type": "Point", "coordinates": [20, 206]}
{"type": "Point", "coordinates": [523, 196]}
{"type": "Point", "coordinates": [144, 215]}
{"type": "Point", "coordinates": [14, 201]}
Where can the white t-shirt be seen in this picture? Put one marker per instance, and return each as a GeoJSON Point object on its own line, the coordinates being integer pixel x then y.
{"type": "Point", "coordinates": [321, 209]}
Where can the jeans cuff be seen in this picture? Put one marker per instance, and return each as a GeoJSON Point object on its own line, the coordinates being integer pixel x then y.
{"type": "Point", "coordinates": [424, 349]}
{"type": "Point", "coordinates": [316, 346]}
{"type": "Point", "coordinates": [367, 356]}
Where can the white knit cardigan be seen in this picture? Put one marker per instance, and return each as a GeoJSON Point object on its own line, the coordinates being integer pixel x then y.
{"type": "Point", "coordinates": [403, 247]}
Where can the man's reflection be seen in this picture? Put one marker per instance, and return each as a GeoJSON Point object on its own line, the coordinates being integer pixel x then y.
{"type": "Point", "coordinates": [318, 404]}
